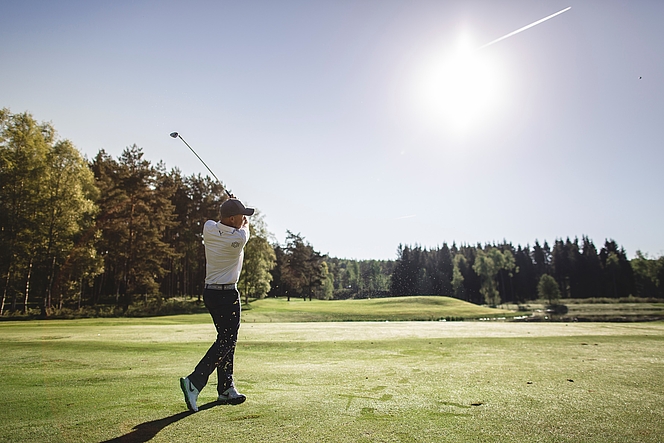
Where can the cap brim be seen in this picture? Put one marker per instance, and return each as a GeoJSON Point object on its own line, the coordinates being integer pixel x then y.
{"type": "Point", "coordinates": [248, 211]}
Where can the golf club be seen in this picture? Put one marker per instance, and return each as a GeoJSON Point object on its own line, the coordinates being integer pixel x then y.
{"type": "Point", "coordinates": [176, 135]}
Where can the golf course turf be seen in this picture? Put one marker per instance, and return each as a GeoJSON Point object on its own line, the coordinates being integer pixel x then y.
{"type": "Point", "coordinates": [98, 380]}
{"type": "Point", "coordinates": [416, 308]}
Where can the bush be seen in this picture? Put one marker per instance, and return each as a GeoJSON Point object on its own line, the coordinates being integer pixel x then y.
{"type": "Point", "coordinates": [557, 309]}
{"type": "Point", "coordinates": [153, 307]}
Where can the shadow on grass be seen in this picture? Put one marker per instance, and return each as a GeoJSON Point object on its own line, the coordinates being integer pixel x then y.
{"type": "Point", "coordinates": [145, 432]}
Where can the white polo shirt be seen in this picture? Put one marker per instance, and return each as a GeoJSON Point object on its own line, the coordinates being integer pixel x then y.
{"type": "Point", "coordinates": [224, 251]}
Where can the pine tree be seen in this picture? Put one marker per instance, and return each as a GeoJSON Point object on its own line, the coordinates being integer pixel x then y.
{"type": "Point", "coordinates": [302, 271]}
{"type": "Point", "coordinates": [618, 274]}
{"type": "Point", "coordinates": [525, 281]}
{"type": "Point", "coordinates": [590, 270]}
{"type": "Point", "coordinates": [136, 216]}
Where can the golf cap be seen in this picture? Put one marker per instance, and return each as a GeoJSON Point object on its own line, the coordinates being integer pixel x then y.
{"type": "Point", "coordinates": [233, 207]}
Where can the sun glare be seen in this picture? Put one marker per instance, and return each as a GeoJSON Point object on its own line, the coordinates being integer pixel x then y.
{"type": "Point", "coordinates": [460, 88]}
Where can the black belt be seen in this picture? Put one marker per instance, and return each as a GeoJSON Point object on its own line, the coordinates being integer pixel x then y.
{"type": "Point", "coordinates": [221, 287]}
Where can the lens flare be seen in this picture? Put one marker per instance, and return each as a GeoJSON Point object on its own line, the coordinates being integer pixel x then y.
{"type": "Point", "coordinates": [460, 87]}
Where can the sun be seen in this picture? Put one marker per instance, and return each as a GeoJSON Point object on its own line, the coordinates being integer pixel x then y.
{"type": "Point", "coordinates": [458, 89]}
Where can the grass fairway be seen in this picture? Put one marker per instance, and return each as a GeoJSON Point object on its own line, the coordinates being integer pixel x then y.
{"type": "Point", "coordinates": [117, 380]}
{"type": "Point", "coordinates": [411, 308]}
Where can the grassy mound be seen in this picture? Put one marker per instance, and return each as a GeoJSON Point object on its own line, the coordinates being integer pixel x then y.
{"type": "Point", "coordinates": [415, 308]}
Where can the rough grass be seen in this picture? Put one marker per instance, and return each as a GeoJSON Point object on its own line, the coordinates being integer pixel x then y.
{"type": "Point", "coordinates": [110, 380]}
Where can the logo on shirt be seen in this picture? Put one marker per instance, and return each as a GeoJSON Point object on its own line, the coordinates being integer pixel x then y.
{"type": "Point", "coordinates": [235, 244]}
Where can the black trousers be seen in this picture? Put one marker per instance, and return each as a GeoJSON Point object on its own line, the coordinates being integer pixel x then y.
{"type": "Point", "coordinates": [224, 307]}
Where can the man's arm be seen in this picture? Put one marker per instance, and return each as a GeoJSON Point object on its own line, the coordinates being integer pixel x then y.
{"type": "Point", "coordinates": [245, 228]}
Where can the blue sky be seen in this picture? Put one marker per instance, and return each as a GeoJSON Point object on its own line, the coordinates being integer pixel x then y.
{"type": "Point", "coordinates": [366, 124]}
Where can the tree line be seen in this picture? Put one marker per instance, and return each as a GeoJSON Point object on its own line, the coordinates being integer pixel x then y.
{"type": "Point", "coordinates": [301, 271]}
{"type": "Point", "coordinates": [118, 232]}
{"type": "Point", "coordinates": [105, 231]}
{"type": "Point", "coordinates": [498, 273]}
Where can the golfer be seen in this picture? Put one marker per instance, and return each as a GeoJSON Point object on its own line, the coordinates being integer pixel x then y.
{"type": "Point", "coordinates": [224, 251]}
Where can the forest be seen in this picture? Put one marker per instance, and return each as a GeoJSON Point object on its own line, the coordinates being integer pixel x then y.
{"type": "Point", "coordinates": [116, 233]}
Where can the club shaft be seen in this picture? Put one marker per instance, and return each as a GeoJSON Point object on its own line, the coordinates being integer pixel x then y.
{"type": "Point", "coordinates": [204, 164]}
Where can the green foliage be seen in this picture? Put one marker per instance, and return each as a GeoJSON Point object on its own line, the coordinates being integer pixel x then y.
{"type": "Point", "coordinates": [457, 276]}
{"type": "Point", "coordinates": [357, 278]}
{"type": "Point", "coordinates": [487, 265]}
{"type": "Point", "coordinates": [301, 268]}
{"type": "Point", "coordinates": [648, 275]}
{"type": "Point", "coordinates": [501, 273]}
{"type": "Point", "coordinates": [47, 195]}
{"type": "Point", "coordinates": [422, 271]}
{"type": "Point", "coordinates": [618, 276]}
{"type": "Point", "coordinates": [137, 213]}
{"type": "Point", "coordinates": [259, 260]}
{"type": "Point", "coordinates": [195, 199]}
{"type": "Point", "coordinates": [326, 290]}
{"type": "Point", "coordinates": [76, 234]}
{"type": "Point", "coordinates": [548, 289]}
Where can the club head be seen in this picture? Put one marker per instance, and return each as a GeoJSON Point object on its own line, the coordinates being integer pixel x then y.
{"type": "Point", "coordinates": [174, 134]}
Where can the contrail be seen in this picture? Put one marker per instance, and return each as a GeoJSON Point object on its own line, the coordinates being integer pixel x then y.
{"type": "Point", "coordinates": [524, 28]}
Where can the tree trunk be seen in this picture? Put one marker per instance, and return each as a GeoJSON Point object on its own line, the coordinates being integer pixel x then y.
{"type": "Point", "coordinates": [49, 289]}
{"type": "Point", "coordinates": [502, 283]}
{"type": "Point", "coordinates": [27, 288]}
{"type": "Point", "coordinates": [97, 294]}
{"type": "Point", "coordinates": [14, 301]}
{"type": "Point", "coordinates": [4, 292]}
{"type": "Point", "coordinates": [80, 295]}
{"type": "Point", "coordinates": [512, 288]}
{"type": "Point", "coordinates": [185, 277]}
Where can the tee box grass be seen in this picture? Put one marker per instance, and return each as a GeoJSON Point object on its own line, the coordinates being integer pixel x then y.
{"type": "Point", "coordinates": [116, 380]}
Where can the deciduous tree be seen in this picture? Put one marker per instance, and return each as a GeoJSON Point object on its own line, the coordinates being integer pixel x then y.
{"type": "Point", "coordinates": [487, 264]}
{"type": "Point", "coordinates": [259, 259]}
{"type": "Point", "coordinates": [548, 289]}
{"type": "Point", "coordinates": [46, 213]}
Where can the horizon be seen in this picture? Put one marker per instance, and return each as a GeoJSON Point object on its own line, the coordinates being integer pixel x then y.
{"type": "Point", "coordinates": [365, 126]}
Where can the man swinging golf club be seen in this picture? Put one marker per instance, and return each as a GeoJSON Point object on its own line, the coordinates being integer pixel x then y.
{"type": "Point", "coordinates": [224, 251]}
